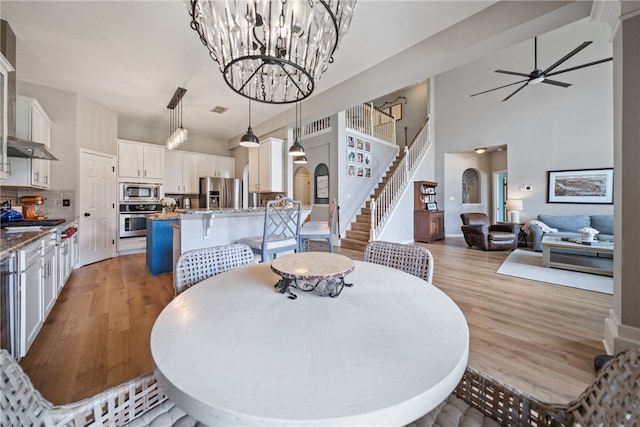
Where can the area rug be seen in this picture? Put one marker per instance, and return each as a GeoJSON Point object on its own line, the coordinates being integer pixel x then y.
{"type": "Point", "coordinates": [527, 264]}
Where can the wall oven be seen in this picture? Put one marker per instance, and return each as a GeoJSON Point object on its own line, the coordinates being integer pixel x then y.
{"type": "Point", "coordinates": [133, 218]}
{"type": "Point", "coordinates": [140, 192]}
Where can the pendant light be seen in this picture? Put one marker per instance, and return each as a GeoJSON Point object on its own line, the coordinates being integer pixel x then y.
{"type": "Point", "coordinates": [177, 133]}
{"type": "Point", "coordinates": [249, 140]}
{"type": "Point", "coordinates": [272, 51]}
{"type": "Point", "coordinates": [300, 160]}
{"type": "Point", "coordinates": [297, 149]}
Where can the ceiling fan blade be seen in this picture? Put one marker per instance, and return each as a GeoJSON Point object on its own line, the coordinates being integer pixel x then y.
{"type": "Point", "coordinates": [580, 66]}
{"type": "Point", "coordinates": [500, 87]}
{"type": "Point", "coordinates": [556, 83]}
{"type": "Point", "coordinates": [567, 56]}
{"type": "Point", "coordinates": [513, 73]}
{"type": "Point", "coordinates": [517, 90]}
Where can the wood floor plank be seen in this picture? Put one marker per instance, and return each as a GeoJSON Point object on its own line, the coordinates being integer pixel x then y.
{"type": "Point", "coordinates": [537, 337]}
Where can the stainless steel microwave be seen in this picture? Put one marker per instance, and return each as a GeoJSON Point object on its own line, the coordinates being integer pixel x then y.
{"type": "Point", "coordinates": [140, 192]}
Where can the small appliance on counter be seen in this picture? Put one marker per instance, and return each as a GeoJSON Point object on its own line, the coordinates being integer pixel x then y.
{"type": "Point", "coordinates": [8, 214]}
{"type": "Point", "coordinates": [33, 207]}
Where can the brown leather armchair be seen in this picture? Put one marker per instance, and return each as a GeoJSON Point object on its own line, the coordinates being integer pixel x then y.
{"type": "Point", "coordinates": [497, 237]}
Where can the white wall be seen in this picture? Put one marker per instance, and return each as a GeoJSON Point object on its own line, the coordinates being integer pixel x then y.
{"type": "Point", "coordinates": [196, 142]}
{"type": "Point", "coordinates": [545, 127]}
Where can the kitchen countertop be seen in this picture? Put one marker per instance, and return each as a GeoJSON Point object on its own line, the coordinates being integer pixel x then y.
{"type": "Point", "coordinates": [223, 212]}
{"type": "Point", "coordinates": [14, 241]}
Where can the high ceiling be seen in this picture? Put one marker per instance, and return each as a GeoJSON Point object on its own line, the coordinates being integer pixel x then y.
{"type": "Point", "coordinates": [131, 55]}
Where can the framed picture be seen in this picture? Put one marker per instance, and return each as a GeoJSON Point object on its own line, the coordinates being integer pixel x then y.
{"type": "Point", "coordinates": [594, 186]}
{"type": "Point", "coordinates": [351, 142]}
{"type": "Point", "coordinates": [351, 170]}
{"type": "Point", "coordinates": [322, 186]}
{"type": "Point", "coordinates": [396, 111]}
{"type": "Point", "coordinates": [432, 206]}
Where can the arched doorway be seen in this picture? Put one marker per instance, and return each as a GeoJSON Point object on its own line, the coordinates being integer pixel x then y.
{"type": "Point", "coordinates": [302, 185]}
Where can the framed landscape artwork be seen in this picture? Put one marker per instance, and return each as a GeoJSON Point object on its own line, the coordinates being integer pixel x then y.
{"type": "Point", "coordinates": [594, 186]}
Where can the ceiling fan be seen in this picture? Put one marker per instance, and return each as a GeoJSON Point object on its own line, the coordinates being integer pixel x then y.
{"type": "Point", "coordinates": [542, 76]}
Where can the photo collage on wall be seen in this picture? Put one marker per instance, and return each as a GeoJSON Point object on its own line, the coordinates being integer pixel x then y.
{"type": "Point", "coordinates": [359, 161]}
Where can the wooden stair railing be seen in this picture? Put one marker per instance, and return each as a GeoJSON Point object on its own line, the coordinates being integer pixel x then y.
{"type": "Point", "coordinates": [377, 209]}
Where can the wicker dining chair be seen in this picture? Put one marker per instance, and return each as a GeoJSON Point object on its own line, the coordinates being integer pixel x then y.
{"type": "Point", "coordinates": [196, 265]}
{"type": "Point", "coordinates": [612, 399]}
{"type": "Point", "coordinates": [411, 259]}
{"type": "Point", "coordinates": [136, 403]}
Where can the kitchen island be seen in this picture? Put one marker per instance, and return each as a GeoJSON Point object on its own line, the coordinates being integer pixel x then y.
{"type": "Point", "coordinates": [203, 228]}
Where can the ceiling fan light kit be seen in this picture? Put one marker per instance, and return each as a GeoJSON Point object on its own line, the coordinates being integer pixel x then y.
{"type": "Point", "coordinates": [542, 76]}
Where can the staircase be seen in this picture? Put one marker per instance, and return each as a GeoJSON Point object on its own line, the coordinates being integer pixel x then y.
{"type": "Point", "coordinates": [358, 235]}
{"type": "Point", "coordinates": [372, 216]}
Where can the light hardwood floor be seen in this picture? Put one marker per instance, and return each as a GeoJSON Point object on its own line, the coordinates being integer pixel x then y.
{"type": "Point", "coordinates": [535, 337]}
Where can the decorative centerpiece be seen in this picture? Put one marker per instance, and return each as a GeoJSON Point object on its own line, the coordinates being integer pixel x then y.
{"type": "Point", "coordinates": [587, 233]}
{"type": "Point", "coordinates": [168, 204]}
{"type": "Point", "coordinates": [320, 272]}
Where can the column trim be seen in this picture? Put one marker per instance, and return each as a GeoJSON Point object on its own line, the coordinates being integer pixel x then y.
{"type": "Point", "coordinates": [619, 337]}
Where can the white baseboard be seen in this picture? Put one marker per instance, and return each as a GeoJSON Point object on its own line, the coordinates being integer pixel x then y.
{"type": "Point", "coordinates": [619, 337]}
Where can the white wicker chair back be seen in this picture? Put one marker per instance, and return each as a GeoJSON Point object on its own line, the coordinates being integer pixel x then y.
{"type": "Point", "coordinates": [199, 264]}
{"type": "Point", "coordinates": [411, 259]}
{"type": "Point", "coordinates": [136, 403]}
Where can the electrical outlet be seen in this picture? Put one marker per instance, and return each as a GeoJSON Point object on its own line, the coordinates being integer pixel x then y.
{"type": "Point", "coordinates": [66, 202]}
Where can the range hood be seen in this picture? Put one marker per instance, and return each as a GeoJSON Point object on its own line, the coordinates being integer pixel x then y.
{"type": "Point", "coordinates": [22, 148]}
{"type": "Point", "coordinates": [17, 147]}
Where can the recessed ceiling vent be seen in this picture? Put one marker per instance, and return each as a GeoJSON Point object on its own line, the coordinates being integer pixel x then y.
{"type": "Point", "coordinates": [219, 110]}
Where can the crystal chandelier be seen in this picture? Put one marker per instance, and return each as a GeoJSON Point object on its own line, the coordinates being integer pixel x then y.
{"type": "Point", "coordinates": [177, 134]}
{"type": "Point", "coordinates": [272, 51]}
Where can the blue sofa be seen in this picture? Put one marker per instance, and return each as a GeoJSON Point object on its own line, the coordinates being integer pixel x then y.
{"type": "Point", "coordinates": [568, 226]}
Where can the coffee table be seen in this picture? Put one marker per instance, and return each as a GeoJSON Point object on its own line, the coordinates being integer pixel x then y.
{"type": "Point", "coordinates": [549, 242]}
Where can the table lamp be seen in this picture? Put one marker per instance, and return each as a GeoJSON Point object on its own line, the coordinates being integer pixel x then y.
{"type": "Point", "coordinates": [514, 207]}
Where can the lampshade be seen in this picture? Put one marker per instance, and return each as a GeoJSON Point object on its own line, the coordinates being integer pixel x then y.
{"type": "Point", "coordinates": [514, 205]}
{"type": "Point", "coordinates": [300, 160]}
{"type": "Point", "coordinates": [249, 140]}
{"type": "Point", "coordinates": [271, 51]}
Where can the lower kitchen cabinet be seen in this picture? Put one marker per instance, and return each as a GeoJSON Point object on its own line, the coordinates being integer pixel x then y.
{"type": "Point", "coordinates": [31, 295]}
{"type": "Point", "coordinates": [428, 226]}
{"type": "Point", "coordinates": [49, 276]}
{"type": "Point", "coordinates": [160, 245]}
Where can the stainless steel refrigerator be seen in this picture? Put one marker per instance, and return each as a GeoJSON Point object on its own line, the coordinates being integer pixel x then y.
{"type": "Point", "coordinates": [220, 192]}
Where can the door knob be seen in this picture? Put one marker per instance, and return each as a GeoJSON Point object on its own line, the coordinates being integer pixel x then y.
{"type": "Point", "coordinates": [87, 214]}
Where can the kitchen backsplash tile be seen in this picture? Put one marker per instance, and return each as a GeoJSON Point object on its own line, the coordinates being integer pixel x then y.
{"type": "Point", "coordinates": [52, 200]}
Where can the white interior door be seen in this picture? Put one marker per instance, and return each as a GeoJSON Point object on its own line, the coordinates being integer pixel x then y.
{"type": "Point", "coordinates": [97, 207]}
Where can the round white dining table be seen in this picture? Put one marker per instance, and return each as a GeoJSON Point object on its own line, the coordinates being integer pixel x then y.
{"type": "Point", "coordinates": [233, 351]}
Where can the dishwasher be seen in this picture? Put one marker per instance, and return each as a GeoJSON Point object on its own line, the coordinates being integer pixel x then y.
{"type": "Point", "coordinates": [9, 305]}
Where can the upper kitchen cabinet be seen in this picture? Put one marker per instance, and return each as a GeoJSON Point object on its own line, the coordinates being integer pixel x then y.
{"type": "Point", "coordinates": [219, 166]}
{"type": "Point", "coordinates": [140, 161]}
{"type": "Point", "coordinates": [182, 172]}
{"type": "Point", "coordinates": [266, 165]}
{"type": "Point", "coordinates": [5, 69]}
{"type": "Point", "coordinates": [32, 123]}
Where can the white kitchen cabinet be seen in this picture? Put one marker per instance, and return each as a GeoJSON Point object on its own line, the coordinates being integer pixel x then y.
{"type": "Point", "coordinates": [49, 275]}
{"type": "Point", "coordinates": [5, 69]}
{"type": "Point", "coordinates": [31, 298]}
{"type": "Point", "coordinates": [138, 160]}
{"type": "Point", "coordinates": [218, 166]}
{"type": "Point", "coordinates": [182, 175]}
{"type": "Point", "coordinates": [32, 123]}
{"type": "Point", "coordinates": [266, 166]}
